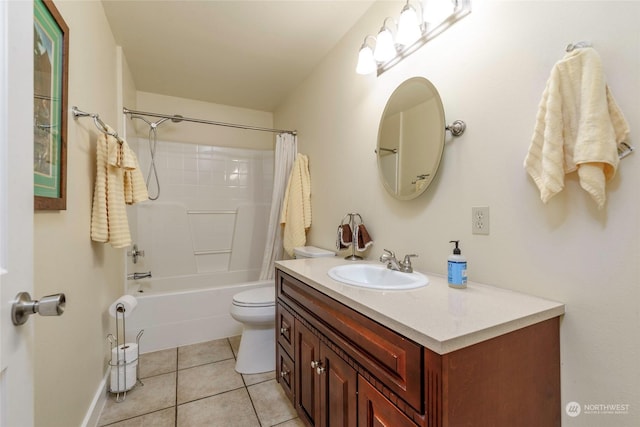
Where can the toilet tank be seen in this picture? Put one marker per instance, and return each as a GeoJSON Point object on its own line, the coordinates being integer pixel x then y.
{"type": "Point", "coordinates": [311, 252]}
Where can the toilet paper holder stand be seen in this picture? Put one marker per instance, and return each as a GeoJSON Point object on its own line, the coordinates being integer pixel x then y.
{"type": "Point", "coordinates": [121, 365]}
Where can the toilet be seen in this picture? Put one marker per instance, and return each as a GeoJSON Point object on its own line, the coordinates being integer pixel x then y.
{"type": "Point", "coordinates": [256, 310]}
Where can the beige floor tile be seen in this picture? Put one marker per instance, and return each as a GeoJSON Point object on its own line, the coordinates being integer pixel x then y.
{"type": "Point", "coordinates": [158, 362]}
{"type": "Point", "coordinates": [235, 344]}
{"type": "Point", "coordinates": [296, 422]}
{"type": "Point", "coordinates": [163, 418]}
{"type": "Point", "coordinates": [272, 406]}
{"type": "Point", "coordinates": [232, 409]}
{"type": "Point", "coordinates": [158, 392]}
{"type": "Point", "coordinates": [207, 380]}
{"type": "Point", "coordinates": [206, 352]}
{"type": "Point", "coordinates": [250, 379]}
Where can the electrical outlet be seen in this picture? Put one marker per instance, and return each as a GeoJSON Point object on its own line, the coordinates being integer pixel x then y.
{"type": "Point", "coordinates": [480, 220]}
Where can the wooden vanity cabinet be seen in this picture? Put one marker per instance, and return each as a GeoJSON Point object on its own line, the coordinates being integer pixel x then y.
{"type": "Point", "coordinates": [342, 369]}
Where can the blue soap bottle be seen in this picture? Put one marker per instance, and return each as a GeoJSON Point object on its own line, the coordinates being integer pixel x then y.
{"type": "Point", "coordinates": [457, 268]}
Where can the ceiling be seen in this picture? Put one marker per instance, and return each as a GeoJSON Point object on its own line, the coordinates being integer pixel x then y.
{"type": "Point", "coordinates": [248, 54]}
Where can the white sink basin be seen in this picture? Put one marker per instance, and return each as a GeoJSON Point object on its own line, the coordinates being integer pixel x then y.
{"type": "Point", "coordinates": [375, 276]}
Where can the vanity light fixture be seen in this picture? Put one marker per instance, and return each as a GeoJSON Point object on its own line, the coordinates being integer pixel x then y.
{"type": "Point", "coordinates": [415, 27]}
{"type": "Point", "coordinates": [385, 46]}
{"type": "Point", "coordinates": [366, 62]}
{"type": "Point", "coordinates": [410, 26]}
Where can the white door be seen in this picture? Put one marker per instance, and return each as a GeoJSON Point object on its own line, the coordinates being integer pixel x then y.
{"type": "Point", "coordinates": [16, 208]}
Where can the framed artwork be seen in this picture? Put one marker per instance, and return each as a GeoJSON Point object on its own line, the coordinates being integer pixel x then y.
{"type": "Point", "coordinates": [50, 77]}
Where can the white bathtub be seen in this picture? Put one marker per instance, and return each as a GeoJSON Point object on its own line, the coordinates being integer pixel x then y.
{"type": "Point", "coordinates": [198, 311]}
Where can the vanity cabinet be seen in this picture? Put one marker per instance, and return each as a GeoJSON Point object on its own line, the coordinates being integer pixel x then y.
{"type": "Point", "coordinates": [341, 368]}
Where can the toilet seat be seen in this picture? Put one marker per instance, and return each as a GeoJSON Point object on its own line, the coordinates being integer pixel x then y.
{"type": "Point", "coordinates": [259, 297]}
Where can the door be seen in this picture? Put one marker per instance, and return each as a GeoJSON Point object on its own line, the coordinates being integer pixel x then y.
{"type": "Point", "coordinates": [307, 360]}
{"type": "Point", "coordinates": [338, 396]}
{"type": "Point", "coordinates": [375, 410]}
{"type": "Point", "coordinates": [16, 208]}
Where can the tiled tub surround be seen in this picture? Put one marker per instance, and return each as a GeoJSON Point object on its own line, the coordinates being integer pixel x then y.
{"type": "Point", "coordinates": [212, 212]}
{"type": "Point", "coordinates": [197, 386]}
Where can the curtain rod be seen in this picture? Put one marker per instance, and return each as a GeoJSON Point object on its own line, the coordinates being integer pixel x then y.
{"type": "Point", "coordinates": [178, 118]}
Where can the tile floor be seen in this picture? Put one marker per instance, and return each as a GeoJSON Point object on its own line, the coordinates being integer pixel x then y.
{"type": "Point", "coordinates": [196, 386]}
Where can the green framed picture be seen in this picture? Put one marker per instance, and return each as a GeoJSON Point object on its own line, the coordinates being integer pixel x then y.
{"type": "Point", "coordinates": [50, 77]}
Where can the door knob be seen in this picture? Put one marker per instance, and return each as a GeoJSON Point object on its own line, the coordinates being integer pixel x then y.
{"type": "Point", "coordinates": [23, 307]}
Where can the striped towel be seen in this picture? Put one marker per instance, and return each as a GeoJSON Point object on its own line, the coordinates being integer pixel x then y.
{"type": "Point", "coordinates": [296, 207]}
{"type": "Point", "coordinates": [118, 181]}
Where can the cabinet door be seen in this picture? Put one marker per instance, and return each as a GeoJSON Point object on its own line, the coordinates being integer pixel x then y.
{"type": "Point", "coordinates": [307, 359]}
{"type": "Point", "coordinates": [338, 398]}
{"type": "Point", "coordinates": [374, 410]}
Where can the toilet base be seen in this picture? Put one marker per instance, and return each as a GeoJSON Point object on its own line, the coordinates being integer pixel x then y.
{"type": "Point", "coordinates": [257, 351]}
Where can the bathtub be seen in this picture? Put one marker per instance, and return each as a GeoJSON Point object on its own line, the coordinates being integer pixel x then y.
{"type": "Point", "coordinates": [185, 310]}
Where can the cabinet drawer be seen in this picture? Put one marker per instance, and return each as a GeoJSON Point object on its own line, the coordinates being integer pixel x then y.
{"type": "Point", "coordinates": [388, 356]}
{"type": "Point", "coordinates": [284, 328]}
{"type": "Point", "coordinates": [285, 372]}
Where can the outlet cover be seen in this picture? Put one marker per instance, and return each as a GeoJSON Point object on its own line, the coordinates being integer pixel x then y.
{"type": "Point", "coordinates": [480, 220]}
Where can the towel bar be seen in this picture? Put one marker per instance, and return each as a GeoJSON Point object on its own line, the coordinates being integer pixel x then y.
{"type": "Point", "coordinates": [97, 121]}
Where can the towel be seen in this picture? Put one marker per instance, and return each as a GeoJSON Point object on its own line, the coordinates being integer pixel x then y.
{"type": "Point", "coordinates": [345, 236]}
{"type": "Point", "coordinates": [296, 206]}
{"type": "Point", "coordinates": [118, 181]}
{"type": "Point", "coordinates": [578, 127]}
{"type": "Point", "coordinates": [363, 239]}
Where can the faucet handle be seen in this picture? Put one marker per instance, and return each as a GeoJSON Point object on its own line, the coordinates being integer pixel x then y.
{"type": "Point", "coordinates": [406, 264]}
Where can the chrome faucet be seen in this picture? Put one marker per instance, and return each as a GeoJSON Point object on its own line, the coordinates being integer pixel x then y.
{"type": "Point", "coordinates": [137, 276]}
{"type": "Point", "coordinates": [404, 266]}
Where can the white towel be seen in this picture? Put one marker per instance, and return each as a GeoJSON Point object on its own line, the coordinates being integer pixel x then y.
{"type": "Point", "coordinates": [578, 127]}
{"type": "Point", "coordinates": [296, 206]}
{"type": "Point", "coordinates": [118, 181]}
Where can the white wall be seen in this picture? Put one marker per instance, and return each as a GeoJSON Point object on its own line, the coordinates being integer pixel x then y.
{"type": "Point", "coordinates": [490, 70]}
{"type": "Point", "coordinates": [71, 352]}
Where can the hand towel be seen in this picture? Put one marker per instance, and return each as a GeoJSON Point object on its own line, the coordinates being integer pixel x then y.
{"type": "Point", "coordinates": [578, 127]}
{"type": "Point", "coordinates": [296, 206]}
{"type": "Point", "coordinates": [114, 162]}
{"type": "Point", "coordinates": [363, 239]}
{"type": "Point", "coordinates": [345, 236]}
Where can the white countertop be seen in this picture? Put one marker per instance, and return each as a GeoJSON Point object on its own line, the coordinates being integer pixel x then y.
{"type": "Point", "coordinates": [439, 317]}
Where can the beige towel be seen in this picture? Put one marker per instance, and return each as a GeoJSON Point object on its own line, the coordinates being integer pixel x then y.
{"type": "Point", "coordinates": [118, 181]}
{"type": "Point", "coordinates": [578, 127]}
{"type": "Point", "coordinates": [296, 206]}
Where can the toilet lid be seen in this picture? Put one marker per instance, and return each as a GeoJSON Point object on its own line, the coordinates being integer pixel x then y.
{"type": "Point", "coordinates": [259, 297]}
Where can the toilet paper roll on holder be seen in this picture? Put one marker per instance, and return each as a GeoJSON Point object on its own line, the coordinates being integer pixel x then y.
{"type": "Point", "coordinates": [121, 364]}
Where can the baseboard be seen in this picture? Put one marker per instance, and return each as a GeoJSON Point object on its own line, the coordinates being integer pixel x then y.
{"type": "Point", "coordinates": [97, 404]}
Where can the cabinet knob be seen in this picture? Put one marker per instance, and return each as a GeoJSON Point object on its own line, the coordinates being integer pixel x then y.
{"type": "Point", "coordinates": [315, 363]}
{"type": "Point", "coordinates": [320, 370]}
{"type": "Point", "coordinates": [284, 374]}
{"type": "Point", "coordinates": [284, 330]}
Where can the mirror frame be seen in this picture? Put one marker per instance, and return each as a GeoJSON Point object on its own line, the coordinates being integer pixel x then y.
{"type": "Point", "coordinates": [440, 148]}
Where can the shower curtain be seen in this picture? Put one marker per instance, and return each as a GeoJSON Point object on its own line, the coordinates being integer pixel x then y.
{"type": "Point", "coordinates": [285, 153]}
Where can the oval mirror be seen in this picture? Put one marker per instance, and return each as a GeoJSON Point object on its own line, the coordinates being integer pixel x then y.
{"type": "Point", "coordinates": [411, 138]}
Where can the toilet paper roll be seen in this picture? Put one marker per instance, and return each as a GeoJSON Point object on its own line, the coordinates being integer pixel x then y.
{"type": "Point", "coordinates": [129, 303]}
{"type": "Point", "coordinates": [125, 352]}
{"type": "Point", "coordinates": [124, 367]}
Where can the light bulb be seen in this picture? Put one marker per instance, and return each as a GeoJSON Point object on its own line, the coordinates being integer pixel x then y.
{"type": "Point", "coordinates": [436, 11]}
{"type": "Point", "coordinates": [385, 49]}
{"type": "Point", "coordinates": [366, 62]}
{"type": "Point", "coordinates": [408, 26]}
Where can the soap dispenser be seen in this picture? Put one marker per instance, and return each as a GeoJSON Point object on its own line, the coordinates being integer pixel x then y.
{"type": "Point", "coordinates": [457, 268]}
